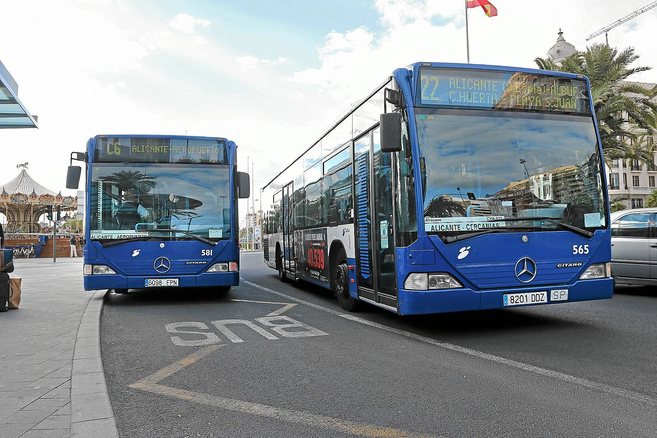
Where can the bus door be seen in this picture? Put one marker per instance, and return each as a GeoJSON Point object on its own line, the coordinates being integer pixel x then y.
{"type": "Point", "coordinates": [384, 238]}
{"type": "Point", "coordinates": [288, 233]}
{"type": "Point", "coordinates": [375, 243]}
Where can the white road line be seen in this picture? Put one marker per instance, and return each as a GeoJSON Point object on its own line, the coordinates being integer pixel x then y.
{"type": "Point", "coordinates": [282, 310]}
{"type": "Point", "coordinates": [625, 393]}
{"type": "Point", "coordinates": [152, 384]}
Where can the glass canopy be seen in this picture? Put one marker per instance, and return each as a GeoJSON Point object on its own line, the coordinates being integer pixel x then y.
{"type": "Point", "coordinates": [13, 113]}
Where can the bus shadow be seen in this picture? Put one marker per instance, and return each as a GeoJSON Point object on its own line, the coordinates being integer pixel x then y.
{"type": "Point", "coordinates": [484, 322]}
{"type": "Point", "coordinates": [167, 296]}
{"type": "Point", "coordinates": [490, 322]}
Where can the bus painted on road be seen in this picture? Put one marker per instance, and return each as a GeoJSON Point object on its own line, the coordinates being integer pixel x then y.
{"type": "Point", "coordinates": [160, 211]}
{"type": "Point", "coordinates": [449, 188]}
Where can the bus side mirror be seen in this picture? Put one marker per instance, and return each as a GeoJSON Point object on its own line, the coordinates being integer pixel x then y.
{"type": "Point", "coordinates": [243, 185]}
{"type": "Point", "coordinates": [391, 132]}
{"type": "Point", "coordinates": [73, 177]}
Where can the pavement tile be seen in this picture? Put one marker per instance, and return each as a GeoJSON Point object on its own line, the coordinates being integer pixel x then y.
{"type": "Point", "coordinates": [47, 404]}
{"type": "Point", "coordinates": [88, 383]}
{"type": "Point", "coordinates": [53, 433]}
{"type": "Point", "coordinates": [87, 352]}
{"type": "Point", "coordinates": [87, 407]}
{"type": "Point", "coordinates": [65, 410]}
{"type": "Point", "coordinates": [87, 366]}
{"type": "Point", "coordinates": [60, 392]}
{"type": "Point", "coordinates": [55, 422]}
{"type": "Point", "coordinates": [14, 430]}
{"type": "Point", "coordinates": [28, 417]}
{"type": "Point", "coordinates": [96, 428]}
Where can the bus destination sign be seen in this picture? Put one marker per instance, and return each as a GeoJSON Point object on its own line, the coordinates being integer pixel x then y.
{"type": "Point", "coordinates": [160, 150]}
{"type": "Point", "coordinates": [465, 88]}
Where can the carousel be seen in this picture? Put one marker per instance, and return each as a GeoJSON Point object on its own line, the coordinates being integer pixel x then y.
{"type": "Point", "coordinates": [23, 201]}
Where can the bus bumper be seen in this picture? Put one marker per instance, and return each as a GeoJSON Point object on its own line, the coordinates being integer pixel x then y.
{"type": "Point", "coordinates": [101, 282]}
{"type": "Point", "coordinates": [413, 302]}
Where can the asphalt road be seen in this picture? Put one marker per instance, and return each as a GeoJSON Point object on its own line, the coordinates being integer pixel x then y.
{"type": "Point", "coordinates": [283, 360]}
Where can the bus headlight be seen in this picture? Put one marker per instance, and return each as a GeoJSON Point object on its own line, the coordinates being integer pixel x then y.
{"type": "Point", "coordinates": [97, 270]}
{"type": "Point", "coordinates": [223, 267]}
{"type": "Point", "coordinates": [599, 270]}
{"type": "Point", "coordinates": [424, 281]}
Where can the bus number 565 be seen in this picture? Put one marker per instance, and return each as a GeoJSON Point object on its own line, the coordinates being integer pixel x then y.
{"type": "Point", "coordinates": [580, 249]}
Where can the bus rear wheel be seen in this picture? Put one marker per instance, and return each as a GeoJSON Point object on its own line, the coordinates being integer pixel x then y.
{"type": "Point", "coordinates": [341, 287]}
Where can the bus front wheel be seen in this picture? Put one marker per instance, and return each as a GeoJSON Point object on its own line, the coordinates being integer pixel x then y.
{"type": "Point", "coordinates": [341, 287]}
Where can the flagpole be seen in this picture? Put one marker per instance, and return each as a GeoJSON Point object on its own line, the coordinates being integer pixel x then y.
{"type": "Point", "coordinates": [467, 36]}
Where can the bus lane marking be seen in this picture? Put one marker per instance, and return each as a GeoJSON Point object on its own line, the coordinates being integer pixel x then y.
{"type": "Point", "coordinates": [585, 383]}
{"type": "Point", "coordinates": [152, 385]}
{"type": "Point", "coordinates": [284, 326]}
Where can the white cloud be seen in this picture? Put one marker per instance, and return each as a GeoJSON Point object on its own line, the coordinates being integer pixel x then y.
{"type": "Point", "coordinates": [186, 23]}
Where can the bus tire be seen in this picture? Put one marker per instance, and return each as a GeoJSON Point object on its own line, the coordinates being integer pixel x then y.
{"type": "Point", "coordinates": [341, 287]}
{"type": "Point", "coordinates": [279, 266]}
{"type": "Point", "coordinates": [121, 291]}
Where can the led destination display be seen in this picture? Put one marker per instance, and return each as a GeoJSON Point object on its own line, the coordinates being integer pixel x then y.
{"type": "Point", "coordinates": [466, 88]}
{"type": "Point", "coordinates": [160, 150]}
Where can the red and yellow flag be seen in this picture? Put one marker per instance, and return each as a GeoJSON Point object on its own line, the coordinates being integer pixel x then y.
{"type": "Point", "coordinates": [487, 6]}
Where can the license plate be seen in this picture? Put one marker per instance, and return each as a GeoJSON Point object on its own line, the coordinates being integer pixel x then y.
{"type": "Point", "coordinates": [161, 282]}
{"type": "Point", "coordinates": [525, 298]}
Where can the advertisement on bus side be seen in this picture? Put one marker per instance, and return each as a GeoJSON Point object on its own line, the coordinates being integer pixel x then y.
{"type": "Point", "coordinates": [315, 248]}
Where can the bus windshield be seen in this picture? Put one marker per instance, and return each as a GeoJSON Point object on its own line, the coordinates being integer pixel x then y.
{"type": "Point", "coordinates": [135, 201]}
{"type": "Point", "coordinates": [508, 171]}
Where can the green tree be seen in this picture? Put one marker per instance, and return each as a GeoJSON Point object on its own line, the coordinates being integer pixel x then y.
{"type": "Point", "coordinates": [652, 199]}
{"type": "Point", "coordinates": [617, 205]}
{"type": "Point", "coordinates": [625, 112]}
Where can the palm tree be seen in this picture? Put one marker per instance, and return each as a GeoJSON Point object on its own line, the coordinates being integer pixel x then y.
{"type": "Point", "coordinates": [626, 112]}
{"type": "Point", "coordinates": [130, 180]}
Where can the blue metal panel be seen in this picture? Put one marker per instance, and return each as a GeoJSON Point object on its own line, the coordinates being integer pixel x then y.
{"type": "Point", "coordinates": [362, 207]}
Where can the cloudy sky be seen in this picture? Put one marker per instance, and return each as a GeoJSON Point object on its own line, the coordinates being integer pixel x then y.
{"type": "Point", "coordinates": [269, 74]}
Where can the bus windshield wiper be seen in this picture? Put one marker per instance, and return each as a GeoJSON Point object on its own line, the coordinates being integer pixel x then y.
{"type": "Point", "coordinates": [552, 220]}
{"type": "Point", "coordinates": [186, 233]}
{"type": "Point", "coordinates": [115, 242]}
{"type": "Point", "coordinates": [450, 239]}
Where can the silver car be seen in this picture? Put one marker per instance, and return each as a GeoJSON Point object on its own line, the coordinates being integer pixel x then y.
{"type": "Point", "coordinates": [634, 246]}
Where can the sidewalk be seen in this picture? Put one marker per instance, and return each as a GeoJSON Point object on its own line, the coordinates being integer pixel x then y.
{"type": "Point", "coordinates": [51, 376]}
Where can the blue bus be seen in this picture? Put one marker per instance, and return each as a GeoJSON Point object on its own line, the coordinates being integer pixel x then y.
{"type": "Point", "coordinates": [160, 211]}
{"type": "Point", "coordinates": [449, 188]}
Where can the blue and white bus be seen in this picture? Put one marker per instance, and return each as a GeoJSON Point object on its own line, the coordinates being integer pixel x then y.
{"type": "Point", "coordinates": [450, 188]}
{"type": "Point", "coordinates": [160, 211]}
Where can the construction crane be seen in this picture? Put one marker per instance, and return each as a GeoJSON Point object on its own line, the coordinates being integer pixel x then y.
{"type": "Point", "coordinates": [621, 21]}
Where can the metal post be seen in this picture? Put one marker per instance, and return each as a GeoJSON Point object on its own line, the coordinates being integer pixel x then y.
{"type": "Point", "coordinates": [54, 240]}
{"type": "Point", "coordinates": [253, 205]}
{"type": "Point", "coordinates": [467, 36]}
{"type": "Point", "coordinates": [248, 239]}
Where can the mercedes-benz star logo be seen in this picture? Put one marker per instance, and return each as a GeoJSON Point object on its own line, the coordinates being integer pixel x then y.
{"type": "Point", "coordinates": [525, 269]}
{"type": "Point", "coordinates": [162, 265]}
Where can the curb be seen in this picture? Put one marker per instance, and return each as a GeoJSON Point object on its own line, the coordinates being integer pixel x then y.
{"type": "Point", "coordinates": [91, 411]}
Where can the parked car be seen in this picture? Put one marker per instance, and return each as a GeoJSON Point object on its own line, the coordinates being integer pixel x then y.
{"type": "Point", "coordinates": [634, 246]}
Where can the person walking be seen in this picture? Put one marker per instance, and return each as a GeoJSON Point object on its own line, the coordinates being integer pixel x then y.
{"type": "Point", "coordinates": [74, 250]}
{"type": "Point", "coordinates": [2, 236]}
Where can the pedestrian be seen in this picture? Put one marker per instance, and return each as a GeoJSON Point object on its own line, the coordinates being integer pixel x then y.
{"type": "Point", "coordinates": [2, 236]}
{"type": "Point", "coordinates": [74, 250]}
